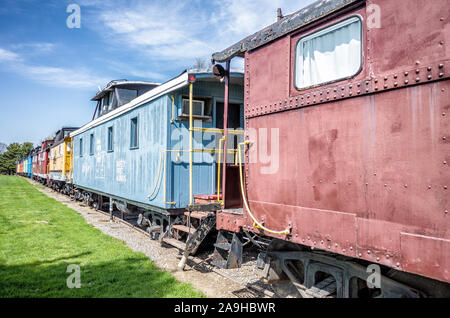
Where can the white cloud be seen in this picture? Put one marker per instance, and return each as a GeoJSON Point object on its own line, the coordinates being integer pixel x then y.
{"type": "Point", "coordinates": [8, 56]}
{"type": "Point", "coordinates": [52, 76]}
{"type": "Point", "coordinates": [175, 30]}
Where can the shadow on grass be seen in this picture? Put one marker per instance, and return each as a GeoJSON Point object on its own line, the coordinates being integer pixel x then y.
{"type": "Point", "coordinates": [130, 277]}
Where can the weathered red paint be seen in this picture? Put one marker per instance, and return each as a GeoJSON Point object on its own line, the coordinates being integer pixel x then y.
{"type": "Point", "coordinates": [364, 163]}
{"type": "Point", "coordinates": [43, 160]}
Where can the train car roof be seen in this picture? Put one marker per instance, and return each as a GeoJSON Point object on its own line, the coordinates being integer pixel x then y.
{"type": "Point", "coordinates": [121, 83]}
{"type": "Point", "coordinates": [178, 82]}
{"type": "Point", "coordinates": [285, 25]}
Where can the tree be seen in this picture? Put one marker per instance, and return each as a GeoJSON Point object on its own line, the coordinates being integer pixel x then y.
{"type": "Point", "coordinates": [202, 64]}
{"type": "Point", "coordinates": [13, 153]}
{"type": "Point", "coordinates": [2, 147]}
{"type": "Point", "coordinates": [26, 148]}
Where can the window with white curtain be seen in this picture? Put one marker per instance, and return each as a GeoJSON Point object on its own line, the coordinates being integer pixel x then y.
{"type": "Point", "coordinates": [328, 55]}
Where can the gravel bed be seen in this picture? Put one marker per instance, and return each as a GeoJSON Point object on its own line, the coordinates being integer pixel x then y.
{"type": "Point", "coordinates": [228, 283]}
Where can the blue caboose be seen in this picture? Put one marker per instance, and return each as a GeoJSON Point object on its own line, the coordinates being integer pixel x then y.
{"type": "Point", "coordinates": [138, 153]}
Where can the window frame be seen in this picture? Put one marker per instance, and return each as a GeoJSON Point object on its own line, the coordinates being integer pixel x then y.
{"type": "Point", "coordinates": [110, 142]}
{"type": "Point", "coordinates": [136, 145]}
{"type": "Point", "coordinates": [91, 144]}
{"type": "Point", "coordinates": [81, 147]}
{"type": "Point", "coordinates": [331, 26]}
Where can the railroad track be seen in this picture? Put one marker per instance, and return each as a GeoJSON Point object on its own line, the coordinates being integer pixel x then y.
{"type": "Point", "coordinates": [248, 291]}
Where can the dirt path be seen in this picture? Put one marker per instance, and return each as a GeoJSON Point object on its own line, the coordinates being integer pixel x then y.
{"type": "Point", "coordinates": [196, 273]}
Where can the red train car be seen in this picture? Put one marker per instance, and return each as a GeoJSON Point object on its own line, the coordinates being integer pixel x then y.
{"type": "Point", "coordinates": [354, 97]}
{"type": "Point", "coordinates": [34, 163]}
{"type": "Point", "coordinates": [42, 163]}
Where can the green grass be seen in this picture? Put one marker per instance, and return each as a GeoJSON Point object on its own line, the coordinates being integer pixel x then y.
{"type": "Point", "coordinates": [40, 237]}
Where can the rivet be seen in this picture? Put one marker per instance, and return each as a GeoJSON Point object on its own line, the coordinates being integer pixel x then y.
{"type": "Point", "coordinates": [321, 242]}
{"type": "Point", "coordinates": [368, 252]}
{"type": "Point", "coordinates": [444, 138]}
{"type": "Point", "coordinates": [446, 211]}
{"type": "Point", "coordinates": [359, 254]}
{"type": "Point", "coordinates": [385, 78]}
{"type": "Point", "coordinates": [376, 88]}
{"type": "Point", "coordinates": [441, 65]}
{"type": "Point", "coordinates": [387, 255]}
{"type": "Point", "coordinates": [395, 76]}
{"type": "Point", "coordinates": [351, 248]}
{"type": "Point", "coordinates": [441, 74]}
{"type": "Point", "coordinates": [429, 187]}
{"type": "Point", "coordinates": [329, 246]}
{"type": "Point", "coordinates": [429, 68]}
{"type": "Point", "coordinates": [406, 81]}
{"type": "Point", "coordinates": [429, 77]}
{"type": "Point", "coordinates": [442, 19]}
{"type": "Point", "coordinates": [378, 258]}
{"type": "Point", "coordinates": [417, 71]}
{"type": "Point", "coordinates": [398, 264]}
{"type": "Point", "coordinates": [335, 245]}
{"type": "Point", "coordinates": [417, 79]}
{"type": "Point", "coordinates": [343, 250]}
{"type": "Point", "coordinates": [309, 238]}
{"type": "Point", "coordinates": [445, 187]}
{"type": "Point", "coordinates": [385, 86]}
{"type": "Point", "coordinates": [395, 84]}
{"type": "Point", "coordinates": [445, 162]}
{"type": "Point", "coordinates": [385, 185]}
{"type": "Point", "coordinates": [406, 73]}
{"type": "Point", "coordinates": [406, 185]}
{"type": "Point", "coordinates": [376, 80]}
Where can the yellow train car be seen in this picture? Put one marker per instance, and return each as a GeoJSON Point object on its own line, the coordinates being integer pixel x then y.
{"type": "Point", "coordinates": [61, 161]}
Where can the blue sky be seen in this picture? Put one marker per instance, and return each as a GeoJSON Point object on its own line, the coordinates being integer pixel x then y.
{"type": "Point", "coordinates": [49, 72]}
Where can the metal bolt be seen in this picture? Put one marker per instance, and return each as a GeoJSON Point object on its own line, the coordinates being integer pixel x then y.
{"type": "Point", "coordinates": [444, 138]}
{"type": "Point", "coordinates": [406, 73]}
{"type": "Point", "coordinates": [359, 254]}
{"type": "Point", "coordinates": [445, 187]}
{"type": "Point", "coordinates": [445, 162]}
{"type": "Point", "coordinates": [417, 79]}
{"type": "Point", "coordinates": [446, 211]}
{"type": "Point", "coordinates": [429, 68]}
{"type": "Point", "coordinates": [417, 71]}
{"type": "Point", "coordinates": [398, 264]}
{"type": "Point", "coordinates": [429, 187]}
{"type": "Point", "coordinates": [441, 74]}
{"type": "Point", "coordinates": [406, 81]}
{"type": "Point", "coordinates": [406, 185]}
{"type": "Point", "coordinates": [368, 252]}
{"type": "Point", "coordinates": [441, 65]}
{"type": "Point", "coordinates": [387, 255]}
{"type": "Point", "coordinates": [429, 77]}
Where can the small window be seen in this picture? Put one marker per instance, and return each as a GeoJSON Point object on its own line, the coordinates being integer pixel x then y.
{"type": "Point", "coordinates": [60, 150]}
{"type": "Point", "coordinates": [126, 95]}
{"type": "Point", "coordinates": [81, 147]}
{"type": "Point", "coordinates": [198, 107]}
{"type": "Point", "coordinates": [110, 139]}
{"type": "Point", "coordinates": [134, 142]}
{"type": "Point", "coordinates": [91, 144]}
{"type": "Point", "coordinates": [332, 54]}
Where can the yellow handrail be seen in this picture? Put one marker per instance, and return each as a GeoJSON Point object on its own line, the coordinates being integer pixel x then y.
{"type": "Point", "coordinates": [218, 131]}
{"type": "Point", "coordinates": [159, 174]}
{"type": "Point", "coordinates": [259, 225]}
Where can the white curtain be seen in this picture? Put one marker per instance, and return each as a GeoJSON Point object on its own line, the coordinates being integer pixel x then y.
{"type": "Point", "coordinates": [328, 55]}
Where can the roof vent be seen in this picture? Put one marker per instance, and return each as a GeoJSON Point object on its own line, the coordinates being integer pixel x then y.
{"type": "Point", "coordinates": [279, 14]}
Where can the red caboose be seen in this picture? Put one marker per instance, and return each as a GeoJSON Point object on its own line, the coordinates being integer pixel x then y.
{"type": "Point", "coordinates": [354, 97]}
{"type": "Point", "coordinates": [43, 161]}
